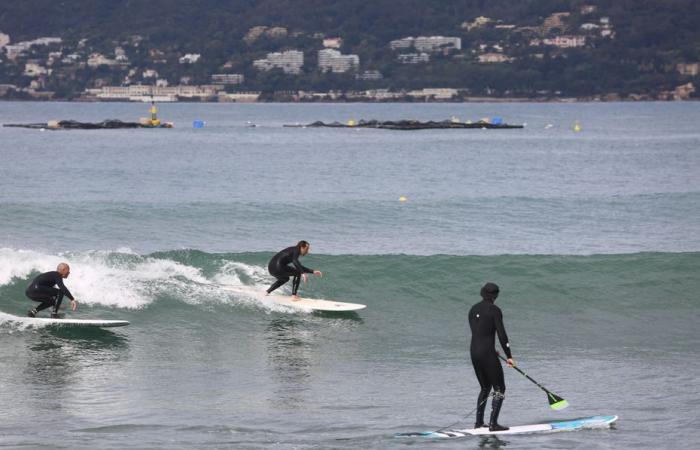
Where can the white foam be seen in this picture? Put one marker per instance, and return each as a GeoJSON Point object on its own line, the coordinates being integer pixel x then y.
{"type": "Point", "coordinates": [10, 323]}
{"type": "Point", "coordinates": [240, 276]}
{"type": "Point", "coordinates": [124, 279]}
{"type": "Point", "coordinates": [101, 277]}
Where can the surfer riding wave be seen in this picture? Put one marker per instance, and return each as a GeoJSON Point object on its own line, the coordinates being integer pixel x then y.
{"type": "Point", "coordinates": [279, 267]}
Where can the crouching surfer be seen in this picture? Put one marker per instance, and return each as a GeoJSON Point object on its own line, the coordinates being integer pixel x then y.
{"type": "Point", "coordinates": [280, 268]}
{"type": "Point", "coordinates": [43, 289]}
{"type": "Point", "coordinates": [485, 321]}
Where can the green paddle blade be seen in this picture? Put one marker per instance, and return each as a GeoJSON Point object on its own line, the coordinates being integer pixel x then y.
{"type": "Point", "coordinates": [556, 402]}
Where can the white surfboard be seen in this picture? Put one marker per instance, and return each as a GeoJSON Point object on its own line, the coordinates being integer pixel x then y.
{"type": "Point", "coordinates": [45, 321]}
{"type": "Point", "coordinates": [307, 304]}
{"type": "Point", "coordinates": [549, 427]}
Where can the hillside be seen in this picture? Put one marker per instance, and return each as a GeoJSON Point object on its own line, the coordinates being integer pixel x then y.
{"type": "Point", "coordinates": [521, 48]}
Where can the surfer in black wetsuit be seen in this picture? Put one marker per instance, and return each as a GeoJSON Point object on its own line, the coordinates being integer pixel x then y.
{"type": "Point", "coordinates": [485, 321]}
{"type": "Point", "coordinates": [42, 289]}
{"type": "Point", "coordinates": [279, 267]}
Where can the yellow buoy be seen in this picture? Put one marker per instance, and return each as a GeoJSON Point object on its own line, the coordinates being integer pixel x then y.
{"type": "Point", "coordinates": [403, 198]}
{"type": "Point", "coordinates": [577, 127]}
{"type": "Point", "coordinates": [154, 115]}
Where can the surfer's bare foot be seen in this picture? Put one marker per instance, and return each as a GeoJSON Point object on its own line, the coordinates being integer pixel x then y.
{"type": "Point", "coordinates": [295, 298]}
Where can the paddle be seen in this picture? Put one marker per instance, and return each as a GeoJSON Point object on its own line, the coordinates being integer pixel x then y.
{"type": "Point", "coordinates": [555, 402]}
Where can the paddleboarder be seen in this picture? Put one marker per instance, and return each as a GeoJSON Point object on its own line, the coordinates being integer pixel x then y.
{"type": "Point", "coordinates": [279, 267]}
{"type": "Point", "coordinates": [43, 289]}
{"type": "Point", "coordinates": [485, 321]}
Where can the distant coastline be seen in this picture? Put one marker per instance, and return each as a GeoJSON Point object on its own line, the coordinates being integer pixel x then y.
{"type": "Point", "coordinates": [343, 101]}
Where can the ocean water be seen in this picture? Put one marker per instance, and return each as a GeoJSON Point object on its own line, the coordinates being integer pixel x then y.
{"type": "Point", "coordinates": [594, 238]}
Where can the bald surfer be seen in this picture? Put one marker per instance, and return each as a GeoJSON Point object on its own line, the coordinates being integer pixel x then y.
{"type": "Point", "coordinates": [48, 289]}
{"type": "Point", "coordinates": [485, 321]}
{"type": "Point", "coordinates": [280, 268]}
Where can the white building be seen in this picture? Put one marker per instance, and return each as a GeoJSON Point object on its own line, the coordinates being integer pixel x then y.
{"type": "Point", "coordinates": [97, 59]}
{"type": "Point", "coordinates": [150, 73]}
{"type": "Point", "coordinates": [413, 58]}
{"type": "Point", "coordinates": [4, 40]}
{"type": "Point", "coordinates": [190, 58]}
{"type": "Point", "coordinates": [227, 78]}
{"type": "Point", "coordinates": [427, 43]}
{"type": "Point", "coordinates": [333, 42]}
{"type": "Point", "coordinates": [142, 92]}
{"type": "Point", "coordinates": [290, 61]}
{"type": "Point", "coordinates": [13, 51]}
{"type": "Point", "coordinates": [476, 23]}
{"type": "Point", "coordinates": [369, 75]}
{"type": "Point", "coordinates": [589, 26]}
{"type": "Point", "coordinates": [435, 93]}
{"type": "Point", "coordinates": [691, 69]}
{"type": "Point", "coordinates": [17, 49]}
{"type": "Point", "coordinates": [53, 57]}
{"type": "Point", "coordinates": [494, 58]}
{"type": "Point", "coordinates": [333, 60]}
{"type": "Point", "coordinates": [46, 41]}
{"type": "Point", "coordinates": [561, 41]}
{"type": "Point", "coordinates": [71, 59]}
{"type": "Point", "coordinates": [239, 97]}
{"type": "Point", "coordinates": [404, 43]}
{"type": "Point", "coordinates": [437, 43]}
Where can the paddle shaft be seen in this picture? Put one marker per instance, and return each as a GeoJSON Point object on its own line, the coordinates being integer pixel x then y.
{"type": "Point", "coordinates": [527, 376]}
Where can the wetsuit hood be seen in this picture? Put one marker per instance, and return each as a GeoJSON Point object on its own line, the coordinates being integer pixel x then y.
{"type": "Point", "coordinates": [490, 292]}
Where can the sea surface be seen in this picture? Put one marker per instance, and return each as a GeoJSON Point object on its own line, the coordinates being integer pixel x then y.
{"type": "Point", "coordinates": [593, 237]}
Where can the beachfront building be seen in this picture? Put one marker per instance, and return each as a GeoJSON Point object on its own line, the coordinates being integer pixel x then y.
{"type": "Point", "coordinates": [290, 61]}
{"type": "Point", "coordinates": [227, 78]}
{"type": "Point", "coordinates": [330, 60]}
{"type": "Point", "coordinates": [145, 92]}
{"type": "Point", "coordinates": [434, 93]}
{"type": "Point", "coordinates": [239, 97]}
{"type": "Point", "coordinates": [413, 58]}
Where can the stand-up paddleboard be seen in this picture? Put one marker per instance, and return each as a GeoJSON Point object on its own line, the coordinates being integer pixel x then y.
{"type": "Point", "coordinates": [45, 321]}
{"type": "Point", "coordinates": [308, 304]}
{"type": "Point", "coordinates": [550, 427]}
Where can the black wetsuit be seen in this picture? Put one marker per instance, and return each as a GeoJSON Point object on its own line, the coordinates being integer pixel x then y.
{"type": "Point", "coordinates": [42, 289]}
{"type": "Point", "coordinates": [279, 268]}
{"type": "Point", "coordinates": [485, 321]}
